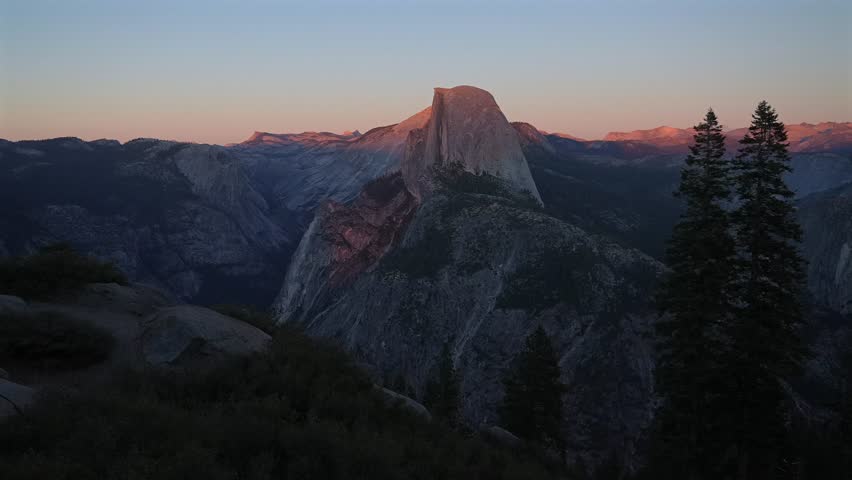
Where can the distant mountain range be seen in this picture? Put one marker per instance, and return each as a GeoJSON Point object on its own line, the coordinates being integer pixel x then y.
{"type": "Point", "coordinates": [831, 137]}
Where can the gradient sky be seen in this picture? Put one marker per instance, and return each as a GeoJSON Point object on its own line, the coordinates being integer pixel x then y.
{"type": "Point", "coordinates": [215, 71]}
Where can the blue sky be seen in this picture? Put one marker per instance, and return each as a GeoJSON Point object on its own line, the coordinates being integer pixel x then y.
{"type": "Point", "coordinates": [215, 71]}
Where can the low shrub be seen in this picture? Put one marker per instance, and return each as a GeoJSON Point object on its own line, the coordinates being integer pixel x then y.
{"type": "Point", "coordinates": [51, 341]}
{"type": "Point", "coordinates": [53, 270]}
{"type": "Point", "coordinates": [300, 411]}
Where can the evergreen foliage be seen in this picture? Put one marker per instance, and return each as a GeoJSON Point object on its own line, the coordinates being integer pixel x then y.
{"type": "Point", "coordinates": [765, 345]}
{"type": "Point", "coordinates": [532, 405]}
{"type": "Point", "coordinates": [443, 389]}
{"type": "Point", "coordinates": [53, 270]}
{"type": "Point", "coordinates": [730, 338]}
{"type": "Point", "coordinates": [694, 298]}
{"type": "Point", "coordinates": [51, 341]}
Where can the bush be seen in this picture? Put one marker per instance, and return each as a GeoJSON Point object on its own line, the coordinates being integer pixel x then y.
{"type": "Point", "coordinates": [301, 410]}
{"type": "Point", "coordinates": [54, 269]}
{"type": "Point", "coordinates": [51, 341]}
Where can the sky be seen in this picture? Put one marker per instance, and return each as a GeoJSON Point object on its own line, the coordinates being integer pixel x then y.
{"type": "Point", "coordinates": [214, 71]}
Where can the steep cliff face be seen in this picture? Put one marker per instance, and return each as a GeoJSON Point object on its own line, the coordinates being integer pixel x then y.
{"type": "Point", "coordinates": [466, 127]}
{"type": "Point", "coordinates": [818, 172]}
{"type": "Point", "coordinates": [341, 242]}
{"type": "Point", "coordinates": [826, 218]}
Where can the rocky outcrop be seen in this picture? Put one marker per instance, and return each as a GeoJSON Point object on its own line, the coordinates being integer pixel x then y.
{"type": "Point", "coordinates": [467, 128]}
{"type": "Point", "coordinates": [14, 398]}
{"type": "Point", "coordinates": [187, 335]}
{"type": "Point", "coordinates": [300, 171]}
{"type": "Point", "coordinates": [501, 436]}
{"type": "Point", "coordinates": [530, 136]}
{"type": "Point", "coordinates": [399, 400]}
{"type": "Point", "coordinates": [10, 304]}
{"type": "Point", "coordinates": [343, 241]}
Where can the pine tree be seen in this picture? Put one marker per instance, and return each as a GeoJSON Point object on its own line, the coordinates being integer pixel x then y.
{"type": "Point", "coordinates": [532, 404]}
{"type": "Point", "coordinates": [695, 300]}
{"type": "Point", "coordinates": [765, 347]}
{"type": "Point", "coordinates": [444, 388]}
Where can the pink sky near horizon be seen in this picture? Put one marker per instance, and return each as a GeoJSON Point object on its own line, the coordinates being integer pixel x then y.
{"type": "Point", "coordinates": [174, 70]}
{"type": "Point", "coordinates": [205, 125]}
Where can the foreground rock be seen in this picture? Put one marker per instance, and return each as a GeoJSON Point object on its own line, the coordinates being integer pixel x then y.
{"type": "Point", "coordinates": [501, 435]}
{"type": "Point", "coordinates": [10, 305]}
{"type": "Point", "coordinates": [14, 398]}
{"type": "Point", "coordinates": [193, 336]}
{"type": "Point", "coordinates": [397, 399]}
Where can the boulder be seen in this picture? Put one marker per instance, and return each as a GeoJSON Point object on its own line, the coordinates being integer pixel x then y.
{"type": "Point", "coordinates": [500, 435]}
{"type": "Point", "coordinates": [11, 304]}
{"type": "Point", "coordinates": [189, 335]}
{"type": "Point", "coordinates": [14, 398]}
{"type": "Point", "coordinates": [406, 403]}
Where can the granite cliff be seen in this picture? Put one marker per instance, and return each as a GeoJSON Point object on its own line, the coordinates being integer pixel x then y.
{"type": "Point", "coordinates": [457, 249]}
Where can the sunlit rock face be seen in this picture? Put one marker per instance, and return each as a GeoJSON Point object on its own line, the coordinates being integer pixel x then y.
{"type": "Point", "coordinates": [343, 241]}
{"type": "Point", "coordinates": [661, 136]}
{"type": "Point", "coordinates": [823, 137]}
{"type": "Point", "coordinates": [530, 136]}
{"type": "Point", "coordinates": [466, 127]}
{"type": "Point", "coordinates": [300, 171]}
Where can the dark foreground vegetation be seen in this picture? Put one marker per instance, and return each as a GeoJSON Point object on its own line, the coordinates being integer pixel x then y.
{"type": "Point", "coordinates": [51, 341]}
{"type": "Point", "coordinates": [300, 411]}
{"type": "Point", "coordinates": [731, 341]}
{"type": "Point", "coordinates": [53, 270]}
